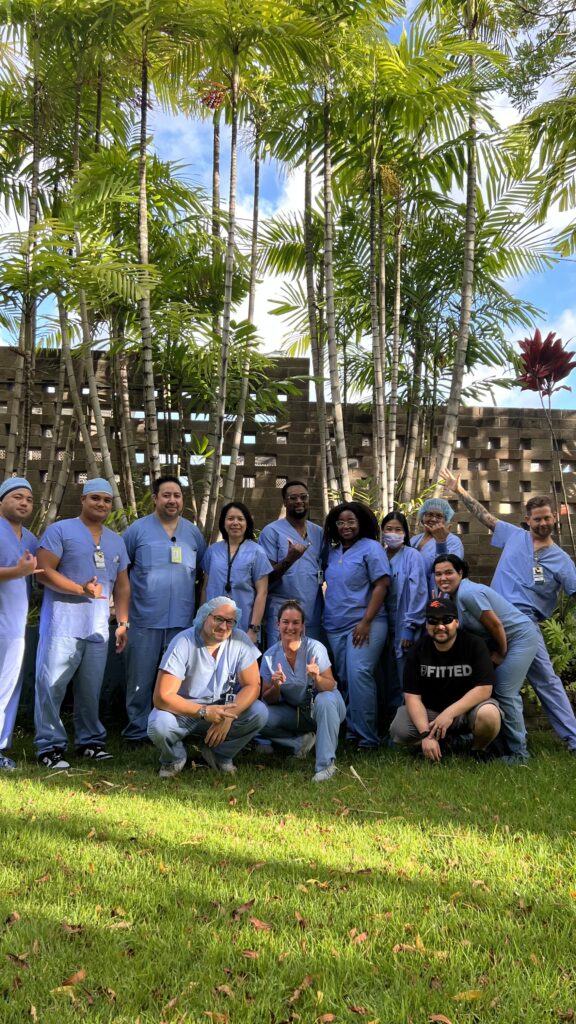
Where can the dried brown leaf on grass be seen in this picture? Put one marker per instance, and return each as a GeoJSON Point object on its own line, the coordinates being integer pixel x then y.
{"type": "Point", "coordinates": [12, 919]}
{"type": "Point", "coordinates": [261, 926]}
{"type": "Point", "coordinates": [242, 909]}
{"type": "Point", "coordinates": [439, 1018]}
{"type": "Point", "coordinates": [75, 978]}
{"type": "Point", "coordinates": [306, 982]}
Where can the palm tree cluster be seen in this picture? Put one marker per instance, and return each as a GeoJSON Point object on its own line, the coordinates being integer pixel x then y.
{"type": "Point", "coordinates": [415, 207]}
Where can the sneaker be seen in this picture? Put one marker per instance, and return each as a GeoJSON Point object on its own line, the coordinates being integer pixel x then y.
{"type": "Point", "coordinates": [95, 753]}
{"type": "Point", "coordinates": [168, 771]}
{"type": "Point", "coordinates": [266, 749]}
{"type": "Point", "coordinates": [325, 773]}
{"type": "Point", "coordinates": [219, 764]}
{"type": "Point", "coordinates": [308, 742]}
{"type": "Point", "coordinates": [513, 759]}
{"type": "Point", "coordinates": [481, 756]}
{"type": "Point", "coordinates": [53, 759]}
{"type": "Point", "coordinates": [7, 763]}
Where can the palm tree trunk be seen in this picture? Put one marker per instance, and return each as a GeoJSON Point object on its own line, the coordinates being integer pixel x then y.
{"type": "Point", "coordinates": [317, 354]}
{"type": "Point", "coordinates": [228, 492]}
{"type": "Point", "coordinates": [73, 389]}
{"type": "Point", "coordinates": [414, 424]}
{"type": "Point", "coordinates": [54, 441]}
{"type": "Point", "coordinates": [122, 404]}
{"type": "Point", "coordinates": [59, 488]}
{"type": "Point", "coordinates": [216, 328]}
{"type": "Point", "coordinates": [339, 433]}
{"type": "Point", "coordinates": [450, 425]}
{"type": "Point", "coordinates": [150, 413]}
{"type": "Point", "coordinates": [379, 438]}
{"type": "Point", "coordinates": [20, 398]}
{"type": "Point", "coordinates": [395, 352]}
{"type": "Point", "coordinates": [227, 306]}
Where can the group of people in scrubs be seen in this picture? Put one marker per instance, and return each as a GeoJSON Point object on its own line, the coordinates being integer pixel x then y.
{"type": "Point", "coordinates": [326, 614]}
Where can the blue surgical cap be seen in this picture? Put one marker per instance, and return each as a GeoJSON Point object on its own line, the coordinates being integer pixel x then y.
{"type": "Point", "coordinates": [436, 505]}
{"type": "Point", "coordinates": [14, 483]}
{"type": "Point", "coordinates": [210, 606]}
{"type": "Point", "coordinates": [97, 486]}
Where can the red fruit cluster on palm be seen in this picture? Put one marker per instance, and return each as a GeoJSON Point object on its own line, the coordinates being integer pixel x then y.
{"type": "Point", "coordinates": [545, 363]}
{"type": "Point", "coordinates": [215, 96]}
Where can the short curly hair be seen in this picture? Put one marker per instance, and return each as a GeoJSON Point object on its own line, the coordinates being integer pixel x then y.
{"type": "Point", "coordinates": [366, 520]}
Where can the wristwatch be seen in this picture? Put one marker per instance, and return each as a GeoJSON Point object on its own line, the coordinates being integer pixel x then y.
{"type": "Point", "coordinates": [127, 624]}
{"type": "Point", "coordinates": [424, 735]}
{"type": "Point", "coordinates": [254, 627]}
{"type": "Point", "coordinates": [203, 711]}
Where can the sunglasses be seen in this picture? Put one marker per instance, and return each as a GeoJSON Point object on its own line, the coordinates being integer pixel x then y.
{"type": "Point", "coordinates": [445, 620]}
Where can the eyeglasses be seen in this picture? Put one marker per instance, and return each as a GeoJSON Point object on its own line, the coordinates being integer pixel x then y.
{"type": "Point", "coordinates": [346, 522]}
{"type": "Point", "coordinates": [444, 621]}
{"type": "Point", "coordinates": [222, 621]}
{"type": "Point", "coordinates": [296, 497]}
{"type": "Point", "coordinates": [432, 517]}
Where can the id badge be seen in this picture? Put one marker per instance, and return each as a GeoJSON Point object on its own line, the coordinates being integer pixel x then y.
{"type": "Point", "coordinates": [175, 554]}
{"type": "Point", "coordinates": [230, 698]}
{"type": "Point", "coordinates": [320, 577]}
{"type": "Point", "coordinates": [99, 560]}
{"type": "Point", "coordinates": [538, 574]}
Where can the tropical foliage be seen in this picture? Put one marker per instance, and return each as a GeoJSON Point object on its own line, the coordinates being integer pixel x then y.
{"type": "Point", "coordinates": [417, 214]}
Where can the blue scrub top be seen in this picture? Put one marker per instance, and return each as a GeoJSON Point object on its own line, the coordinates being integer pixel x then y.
{"type": "Point", "coordinates": [205, 678]}
{"type": "Point", "coordinates": [451, 546]}
{"type": "Point", "coordinates": [350, 577]}
{"type": "Point", "coordinates": [514, 577]}
{"type": "Point", "coordinates": [66, 615]}
{"type": "Point", "coordinates": [293, 691]}
{"type": "Point", "coordinates": [162, 594]}
{"type": "Point", "coordinates": [301, 582]}
{"type": "Point", "coordinates": [407, 596]}
{"type": "Point", "coordinates": [250, 565]}
{"type": "Point", "coordinates": [474, 598]}
{"type": "Point", "coordinates": [14, 593]}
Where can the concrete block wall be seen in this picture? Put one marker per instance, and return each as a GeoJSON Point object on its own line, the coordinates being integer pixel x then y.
{"type": "Point", "coordinates": [504, 455]}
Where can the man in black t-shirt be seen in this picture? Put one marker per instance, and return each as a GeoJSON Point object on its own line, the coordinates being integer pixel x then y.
{"type": "Point", "coordinates": [448, 680]}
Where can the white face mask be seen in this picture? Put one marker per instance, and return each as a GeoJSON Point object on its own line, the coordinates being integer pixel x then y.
{"type": "Point", "coordinates": [393, 540]}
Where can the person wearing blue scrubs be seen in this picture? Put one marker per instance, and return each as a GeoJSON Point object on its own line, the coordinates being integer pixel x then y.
{"type": "Point", "coordinates": [510, 634]}
{"type": "Point", "coordinates": [208, 687]}
{"type": "Point", "coordinates": [300, 691]}
{"type": "Point", "coordinates": [238, 567]}
{"type": "Point", "coordinates": [406, 602]}
{"type": "Point", "coordinates": [165, 552]}
{"type": "Point", "coordinates": [294, 546]}
{"type": "Point", "coordinates": [531, 574]}
{"type": "Point", "coordinates": [17, 565]}
{"type": "Point", "coordinates": [84, 565]}
{"type": "Point", "coordinates": [357, 577]}
{"type": "Point", "coordinates": [435, 516]}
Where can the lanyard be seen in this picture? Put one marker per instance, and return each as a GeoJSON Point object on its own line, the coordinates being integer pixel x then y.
{"type": "Point", "coordinates": [228, 585]}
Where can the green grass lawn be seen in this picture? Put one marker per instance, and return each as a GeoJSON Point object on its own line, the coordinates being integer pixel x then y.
{"type": "Point", "coordinates": [426, 893]}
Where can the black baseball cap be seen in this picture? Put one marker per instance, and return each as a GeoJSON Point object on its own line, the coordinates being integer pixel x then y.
{"type": "Point", "coordinates": [440, 608]}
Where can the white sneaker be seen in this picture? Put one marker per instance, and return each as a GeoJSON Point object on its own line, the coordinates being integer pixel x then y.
{"type": "Point", "coordinates": [308, 741]}
{"type": "Point", "coordinates": [325, 773]}
{"type": "Point", "coordinates": [219, 764]}
{"type": "Point", "coordinates": [168, 771]}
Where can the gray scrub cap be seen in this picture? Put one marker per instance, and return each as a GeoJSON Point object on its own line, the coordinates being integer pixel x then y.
{"type": "Point", "coordinates": [210, 606]}
{"type": "Point", "coordinates": [436, 505]}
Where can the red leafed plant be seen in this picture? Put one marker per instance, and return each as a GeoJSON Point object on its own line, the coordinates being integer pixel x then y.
{"type": "Point", "coordinates": [545, 363]}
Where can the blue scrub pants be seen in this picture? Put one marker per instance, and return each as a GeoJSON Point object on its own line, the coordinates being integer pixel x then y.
{"type": "Point", "coordinates": [510, 676]}
{"type": "Point", "coordinates": [167, 732]}
{"type": "Point", "coordinates": [328, 713]}
{"type": "Point", "coordinates": [548, 686]}
{"type": "Point", "coordinates": [11, 658]}
{"type": "Point", "coordinates": [143, 654]}
{"type": "Point", "coordinates": [355, 667]}
{"type": "Point", "coordinates": [393, 677]}
{"type": "Point", "coordinates": [58, 659]}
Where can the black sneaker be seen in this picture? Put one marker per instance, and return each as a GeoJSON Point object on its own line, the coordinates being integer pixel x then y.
{"type": "Point", "coordinates": [95, 753]}
{"type": "Point", "coordinates": [53, 759]}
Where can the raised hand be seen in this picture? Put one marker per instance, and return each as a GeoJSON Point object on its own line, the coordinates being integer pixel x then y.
{"type": "Point", "coordinates": [92, 588]}
{"type": "Point", "coordinates": [27, 564]}
{"type": "Point", "coordinates": [278, 677]}
{"type": "Point", "coordinates": [312, 668]}
{"type": "Point", "coordinates": [451, 481]}
{"type": "Point", "coordinates": [295, 550]}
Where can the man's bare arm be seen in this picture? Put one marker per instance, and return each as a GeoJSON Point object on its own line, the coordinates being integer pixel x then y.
{"type": "Point", "coordinates": [453, 485]}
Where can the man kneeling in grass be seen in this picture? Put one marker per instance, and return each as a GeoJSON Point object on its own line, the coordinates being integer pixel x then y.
{"type": "Point", "coordinates": [448, 681]}
{"type": "Point", "coordinates": [207, 686]}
